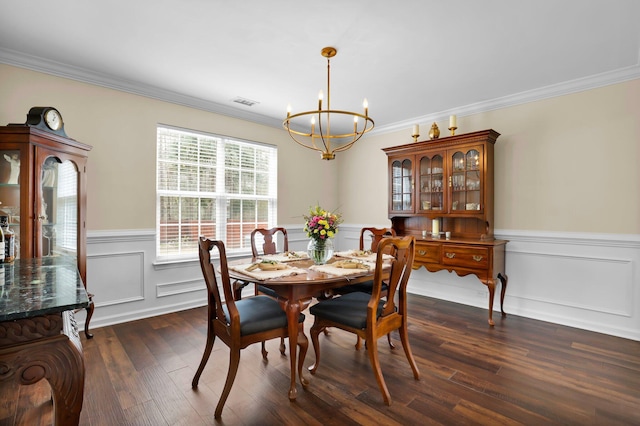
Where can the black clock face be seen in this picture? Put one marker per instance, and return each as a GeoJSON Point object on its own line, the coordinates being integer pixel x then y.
{"type": "Point", "coordinates": [53, 119]}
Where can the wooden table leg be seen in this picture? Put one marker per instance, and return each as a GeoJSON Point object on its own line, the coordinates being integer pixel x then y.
{"type": "Point", "coordinates": [89, 315]}
{"type": "Point", "coordinates": [491, 285]}
{"type": "Point", "coordinates": [293, 313]}
{"type": "Point", "coordinates": [503, 280]}
{"type": "Point", "coordinates": [52, 352]}
{"type": "Point", "coordinates": [57, 360]}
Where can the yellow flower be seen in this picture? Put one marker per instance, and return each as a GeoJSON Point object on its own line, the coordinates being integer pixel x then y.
{"type": "Point", "coordinates": [330, 234]}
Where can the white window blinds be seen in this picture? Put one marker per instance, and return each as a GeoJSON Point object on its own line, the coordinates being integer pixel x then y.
{"type": "Point", "coordinates": [67, 207]}
{"type": "Point", "coordinates": [211, 185]}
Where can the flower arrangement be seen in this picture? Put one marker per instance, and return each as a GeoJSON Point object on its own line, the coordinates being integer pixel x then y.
{"type": "Point", "coordinates": [320, 224]}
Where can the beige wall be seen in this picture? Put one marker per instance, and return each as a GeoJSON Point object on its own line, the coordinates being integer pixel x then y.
{"type": "Point", "coordinates": [566, 164]}
{"type": "Point", "coordinates": [121, 128]}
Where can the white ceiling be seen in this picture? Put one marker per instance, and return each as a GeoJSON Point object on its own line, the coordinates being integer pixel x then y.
{"type": "Point", "coordinates": [412, 59]}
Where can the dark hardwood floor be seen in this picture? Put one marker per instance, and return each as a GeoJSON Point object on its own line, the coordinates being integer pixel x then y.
{"type": "Point", "coordinates": [521, 371]}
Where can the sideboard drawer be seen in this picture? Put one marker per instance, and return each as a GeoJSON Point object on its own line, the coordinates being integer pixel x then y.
{"type": "Point", "coordinates": [428, 252]}
{"type": "Point", "coordinates": [469, 257]}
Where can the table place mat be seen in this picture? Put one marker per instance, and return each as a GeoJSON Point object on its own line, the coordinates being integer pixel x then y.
{"type": "Point", "coordinates": [341, 272]}
{"type": "Point", "coordinates": [267, 275]}
{"type": "Point", "coordinates": [286, 257]}
{"type": "Point", "coordinates": [352, 254]}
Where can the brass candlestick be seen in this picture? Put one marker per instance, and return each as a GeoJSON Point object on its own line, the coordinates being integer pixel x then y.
{"type": "Point", "coordinates": [452, 130]}
{"type": "Point", "coordinates": [415, 137]}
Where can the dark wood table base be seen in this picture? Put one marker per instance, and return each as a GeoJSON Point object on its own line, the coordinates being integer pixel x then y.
{"type": "Point", "coordinates": [46, 347]}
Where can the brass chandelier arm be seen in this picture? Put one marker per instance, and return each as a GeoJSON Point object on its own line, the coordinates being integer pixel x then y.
{"type": "Point", "coordinates": [328, 153]}
{"type": "Point", "coordinates": [368, 121]}
{"type": "Point", "coordinates": [342, 141]}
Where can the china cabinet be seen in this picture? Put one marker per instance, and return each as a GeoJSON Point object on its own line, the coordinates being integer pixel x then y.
{"type": "Point", "coordinates": [43, 190]}
{"type": "Point", "coordinates": [441, 191]}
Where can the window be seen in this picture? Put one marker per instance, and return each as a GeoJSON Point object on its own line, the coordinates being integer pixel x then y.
{"type": "Point", "coordinates": [67, 207]}
{"type": "Point", "coordinates": [211, 185]}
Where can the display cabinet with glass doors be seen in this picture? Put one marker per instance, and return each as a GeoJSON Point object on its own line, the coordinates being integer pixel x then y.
{"type": "Point", "coordinates": [43, 195]}
{"type": "Point", "coordinates": [441, 191]}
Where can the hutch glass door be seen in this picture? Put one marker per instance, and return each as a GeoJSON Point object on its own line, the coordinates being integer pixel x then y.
{"type": "Point", "coordinates": [466, 182]}
{"type": "Point", "coordinates": [59, 208]}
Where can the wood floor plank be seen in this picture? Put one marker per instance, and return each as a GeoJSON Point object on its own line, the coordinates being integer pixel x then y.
{"type": "Point", "coordinates": [521, 371]}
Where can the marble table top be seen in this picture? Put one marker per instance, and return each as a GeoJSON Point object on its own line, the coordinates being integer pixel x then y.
{"type": "Point", "coordinates": [33, 287]}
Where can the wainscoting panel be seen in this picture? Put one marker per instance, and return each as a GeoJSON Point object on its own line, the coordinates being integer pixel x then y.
{"type": "Point", "coordinates": [589, 281]}
{"type": "Point", "coordinates": [127, 283]}
{"type": "Point", "coordinates": [124, 281]}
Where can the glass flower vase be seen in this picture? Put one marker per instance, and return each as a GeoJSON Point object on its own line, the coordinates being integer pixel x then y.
{"type": "Point", "coordinates": [320, 251]}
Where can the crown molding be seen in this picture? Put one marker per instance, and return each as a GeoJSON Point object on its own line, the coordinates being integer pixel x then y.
{"type": "Point", "coordinates": [21, 60]}
{"type": "Point", "coordinates": [572, 86]}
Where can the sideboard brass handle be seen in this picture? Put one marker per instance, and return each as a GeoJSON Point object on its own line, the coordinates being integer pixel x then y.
{"type": "Point", "coordinates": [450, 255]}
{"type": "Point", "coordinates": [422, 252]}
{"type": "Point", "coordinates": [477, 258]}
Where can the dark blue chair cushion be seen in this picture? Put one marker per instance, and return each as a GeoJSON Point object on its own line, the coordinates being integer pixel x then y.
{"type": "Point", "coordinates": [259, 313]}
{"type": "Point", "coordinates": [366, 287]}
{"type": "Point", "coordinates": [350, 309]}
{"type": "Point", "coordinates": [268, 291]}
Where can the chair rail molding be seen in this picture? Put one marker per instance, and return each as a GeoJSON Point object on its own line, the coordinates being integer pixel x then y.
{"type": "Point", "coordinates": [128, 284]}
{"type": "Point", "coordinates": [583, 280]}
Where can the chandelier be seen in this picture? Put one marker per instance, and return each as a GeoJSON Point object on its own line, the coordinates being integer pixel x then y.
{"type": "Point", "coordinates": [312, 129]}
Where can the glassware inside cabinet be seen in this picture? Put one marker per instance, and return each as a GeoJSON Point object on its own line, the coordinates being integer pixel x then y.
{"type": "Point", "coordinates": [472, 160]}
{"type": "Point", "coordinates": [10, 192]}
{"type": "Point", "coordinates": [401, 185]}
{"type": "Point", "coordinates": [425, 183]}
{"type": "Point", "coordinates": [465, 181]}
{"type": "Point", "coordinates": [436, 182]}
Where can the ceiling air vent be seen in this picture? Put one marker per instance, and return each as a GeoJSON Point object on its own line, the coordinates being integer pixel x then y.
{"type": "Point", "coordinates": [245, 101]}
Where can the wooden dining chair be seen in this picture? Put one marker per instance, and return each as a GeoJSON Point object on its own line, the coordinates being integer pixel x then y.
{"type": "Point", "coordinates": [368, 315]}
{"type": "Point", "coordinates": [268, 247]}
{"type": "Point", "coordinates": [238, 323]}
{"type": "Point", "coordinates": [376, 234]}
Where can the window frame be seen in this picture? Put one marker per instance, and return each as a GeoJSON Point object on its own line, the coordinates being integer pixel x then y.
{"type": "Point", "coordinates": [224, 194]}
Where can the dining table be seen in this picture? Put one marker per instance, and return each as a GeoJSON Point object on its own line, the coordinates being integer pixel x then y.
{"type": "Point", "coordinates": [299, 282]}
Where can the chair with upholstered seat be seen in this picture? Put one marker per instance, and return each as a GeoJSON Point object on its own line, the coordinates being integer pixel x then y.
{"type": "Point", "coordinates": [268, 247]}
{"type": "Point", "coordinates": [238, 323]}
{"type": "Point", "coordinates": [376, 234]}
{"type": "Point", "coordinates": [369, 316]}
